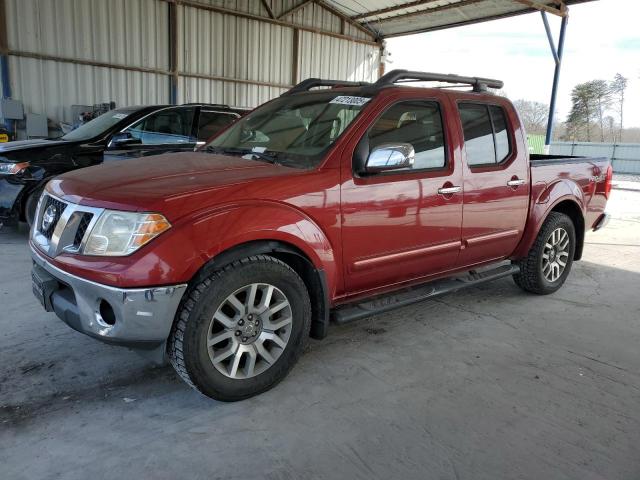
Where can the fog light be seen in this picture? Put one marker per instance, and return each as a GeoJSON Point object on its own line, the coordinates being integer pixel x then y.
{"type": "Point", "coordinates": [106, 313]}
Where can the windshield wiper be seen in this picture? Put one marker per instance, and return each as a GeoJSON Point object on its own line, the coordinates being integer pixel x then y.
{"type": "Point", "coordinates": [271, 158]}
{"type": "Point", "coordinates": [264, 156]}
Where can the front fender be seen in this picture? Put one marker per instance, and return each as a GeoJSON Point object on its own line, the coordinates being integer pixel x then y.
{"type": "Point", "coordinates": [177, 255]}
{"type": "Point", "coordinates": [265, 220]}
{"type": "Point", "coordinates": [544, 199]}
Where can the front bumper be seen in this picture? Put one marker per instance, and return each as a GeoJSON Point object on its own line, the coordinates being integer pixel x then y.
{"type": "Point", "coordinates": [136, 318]}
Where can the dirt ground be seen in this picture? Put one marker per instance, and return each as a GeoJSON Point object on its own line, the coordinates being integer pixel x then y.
{"type": "Point", "coordinates": [490, 383]}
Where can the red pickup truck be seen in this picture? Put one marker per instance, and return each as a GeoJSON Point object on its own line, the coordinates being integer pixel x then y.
{"type": "Point", "coordinates": [332, 203]}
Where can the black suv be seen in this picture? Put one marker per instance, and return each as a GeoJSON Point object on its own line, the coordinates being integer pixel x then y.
{"type": "Point", "coordinates": [25, 166]}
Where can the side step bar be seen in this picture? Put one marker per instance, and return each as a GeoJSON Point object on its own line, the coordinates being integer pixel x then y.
{"type": "Point", "coordinates": [384, 303]}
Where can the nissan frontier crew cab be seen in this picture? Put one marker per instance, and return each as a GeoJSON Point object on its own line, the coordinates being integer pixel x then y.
{"type": "Point", "coordinates": [325, 203]}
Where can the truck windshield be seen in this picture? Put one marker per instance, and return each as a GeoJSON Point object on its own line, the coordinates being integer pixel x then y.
{"type": "Point", "coordinates": [98, 125]}
{"type": "Point", "coordinates": [293, 130]}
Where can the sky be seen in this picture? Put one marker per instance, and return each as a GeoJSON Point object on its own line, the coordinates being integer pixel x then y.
{"type": "Point", "coordinates": [602, 39]}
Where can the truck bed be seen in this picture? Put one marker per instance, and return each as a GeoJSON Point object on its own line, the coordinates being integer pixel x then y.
{"type": "Point", "coordinates": [537, 159]}
{"type": "Point", "coordinates": [567, 172]}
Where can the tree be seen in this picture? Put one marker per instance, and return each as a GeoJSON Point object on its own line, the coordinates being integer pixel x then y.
{"type": "Point", "coordinates": [602, 96]}
{"type": "Point", "coordinates": [534, 115]}
{"type": "Point", "coordinates": [582, 112]}
{"type": "Point", "coordinates": [618, 87]}
{"type": "Point", "coordinates": [610, 122]}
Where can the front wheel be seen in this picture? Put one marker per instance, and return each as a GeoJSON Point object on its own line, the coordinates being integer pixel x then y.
{"type": "Point", "coordinates": [240, 330]}
{"type": "Point", "coordinates": [549, 261]}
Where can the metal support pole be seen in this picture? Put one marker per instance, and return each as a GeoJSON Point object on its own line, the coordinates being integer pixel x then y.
{"type": "Point", "coordinates": [556, 75]}
{"type": "Point", "coordinates": [173, 53]}
{"type": "Point", "coordinates": [4, 75]}
{"type": "Point", "coordinates": [5, 78]}
{"type": "Point", "coordinates": [295, 57]}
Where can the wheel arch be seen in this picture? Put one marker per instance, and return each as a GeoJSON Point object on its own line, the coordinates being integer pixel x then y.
{"type": "Point", "coordinates": [567, 204]}
{"type": "Point", "coordinates": [26, 193]}
{"type": "Point", "coordinates": [572, 210]}
{"type": "Point", "coordinates": [313, 277]}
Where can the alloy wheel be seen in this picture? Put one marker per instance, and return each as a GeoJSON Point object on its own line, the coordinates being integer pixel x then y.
{"type": "Point", "coordinates": [555, 254]}
{"type": "Point", "coordinates": [249, 330]}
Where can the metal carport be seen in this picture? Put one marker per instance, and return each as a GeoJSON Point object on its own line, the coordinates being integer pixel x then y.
{"type": "Point", "coordinates": [395, 18]}
{"type": "Point", "coordinates": [58, 53]}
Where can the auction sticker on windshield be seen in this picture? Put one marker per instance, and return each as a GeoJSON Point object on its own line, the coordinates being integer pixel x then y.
{"type": "Point", "coordinates": [347, 100]}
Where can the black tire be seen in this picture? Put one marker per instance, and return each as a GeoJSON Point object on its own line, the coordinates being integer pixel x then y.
{"type": "Point", "coordinates": [31, 204]}
{"type": "Point", "coordinates": [187, 345]}
{"type": "Point", "coordinates": [531, 277]}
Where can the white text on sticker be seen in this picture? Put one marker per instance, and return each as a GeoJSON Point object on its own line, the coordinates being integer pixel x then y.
{"type": "Point", "coordinates": [347, 100]}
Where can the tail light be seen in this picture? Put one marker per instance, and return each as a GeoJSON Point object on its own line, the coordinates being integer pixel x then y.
{"type": "Point", "coordinates": [608, 181]}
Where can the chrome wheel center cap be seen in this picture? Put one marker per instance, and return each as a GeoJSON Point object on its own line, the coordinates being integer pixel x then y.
{"type": "Point", "coordinates": [249, 329]}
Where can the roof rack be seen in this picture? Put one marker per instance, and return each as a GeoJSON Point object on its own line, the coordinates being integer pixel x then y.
{"type": "Point", "coordinates": [402, 76]}
{"type": "Point", "coordinates": [216, 105]}
{"type": "Point", "coordinates": [310, 83]}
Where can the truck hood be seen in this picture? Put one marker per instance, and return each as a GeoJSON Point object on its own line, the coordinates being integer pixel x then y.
{"type": "Point", "coordinates": [173, 184]}
{"type": "Point", "coordinates": [28, 144]}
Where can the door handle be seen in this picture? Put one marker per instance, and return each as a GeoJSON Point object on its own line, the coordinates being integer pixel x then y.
{"type": "Point", "coordinates": [516, 182]}
{"type": "Point", "coordinates": [449, 190]}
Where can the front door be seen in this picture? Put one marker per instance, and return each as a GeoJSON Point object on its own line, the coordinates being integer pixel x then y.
{"type": "Point", "coordinates": [167, 130]}
{"type": "Point", "coordinates": [396, 226]}
{"type": "Point", "coordinates": [496, 184]}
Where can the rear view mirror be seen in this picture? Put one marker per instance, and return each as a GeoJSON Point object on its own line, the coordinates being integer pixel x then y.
{"type": "Point", "coordinates": [390, 156]}
{"type": "Point", "coordinates": [122, 139]}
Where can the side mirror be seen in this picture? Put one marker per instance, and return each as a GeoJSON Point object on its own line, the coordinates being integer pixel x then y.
{"type": "Point", "coordinates": [122, 139]}
{"type": "Point", "coordinates": [390, 156]}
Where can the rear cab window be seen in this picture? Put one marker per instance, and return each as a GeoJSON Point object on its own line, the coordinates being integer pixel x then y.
{"type": "Point", "coordinates": [486, 134]}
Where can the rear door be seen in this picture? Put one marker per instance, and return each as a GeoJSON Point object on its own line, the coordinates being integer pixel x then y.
{"type": "Point", "coordinates": [171, 129]}
{"type": "Point", "coordinates": [496, 182]}
{"type": "Point", "coordinates": [396, 226]}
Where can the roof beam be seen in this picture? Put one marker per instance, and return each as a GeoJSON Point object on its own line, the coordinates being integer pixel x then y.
{"type": "Point", "coordinates": [302, 4]}
{"type": "Point", "coordinates": [382, 11]}
{"type": "Point", "coordinates": [267, 7]}
{"type": "Point", "coordinates": [273, 21]}
{"type": "Point", "coordinates": [561, 10]}
{"type": "Point", "coordinates": [346, 18]}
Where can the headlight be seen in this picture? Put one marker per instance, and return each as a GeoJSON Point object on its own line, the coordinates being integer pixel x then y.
{"type": "Point", "coordinates": [13, 168]}
{"type": "Point", "coordinates": [122, 233]}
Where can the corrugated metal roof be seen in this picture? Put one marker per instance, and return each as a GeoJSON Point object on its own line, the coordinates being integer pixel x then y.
{"type": "Point", "coordinates": [397, 17]}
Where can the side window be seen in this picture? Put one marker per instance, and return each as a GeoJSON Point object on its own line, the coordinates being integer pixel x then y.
{"type": "Point", "coordinates": [500, 129]}
{"type": "Point", "coordinates": [212, 122]}
{"type": "Point", "coordinates": [418, 123]}
{"type": "Point", "coordinates": [172, 125]}
{"type": "Point", "coordinates": [486, 138]}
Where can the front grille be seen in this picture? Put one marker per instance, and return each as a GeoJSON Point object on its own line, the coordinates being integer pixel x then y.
{"type": "Point", "coordinates": [71, 221]}
{"type": "Point", "coordinates": [51, 213]}
{"type": "Point", "coordinates": [82, 228]}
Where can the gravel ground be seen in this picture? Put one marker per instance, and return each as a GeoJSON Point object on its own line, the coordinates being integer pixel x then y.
{"type": "Point", "coordinates": [489, 383]}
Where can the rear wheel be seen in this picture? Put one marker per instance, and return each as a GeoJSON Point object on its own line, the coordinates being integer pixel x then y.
{"type": "Point", "coordinates": [549, 261]}
{"type": "Point", "coordinates": [242, 329]}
